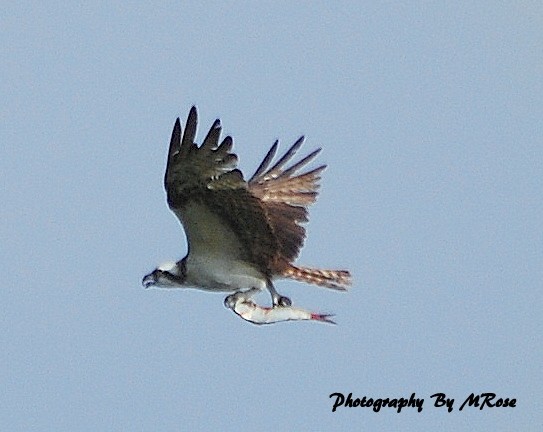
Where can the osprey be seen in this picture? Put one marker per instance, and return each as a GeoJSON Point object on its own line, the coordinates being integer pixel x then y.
{"type": "Point", "coordinates": [242, 235]}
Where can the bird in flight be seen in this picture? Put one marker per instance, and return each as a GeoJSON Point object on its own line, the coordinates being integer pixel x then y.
{"type": "Point", "coordinates": [242, 234]}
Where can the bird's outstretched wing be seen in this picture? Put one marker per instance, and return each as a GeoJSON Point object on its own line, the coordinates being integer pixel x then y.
{"type": "Point", "coordinates": [259, 220]}
{"type": "Point", "coordinates": [211, 166]}
{"type": "Point", "coordinates": [285, 196]}
{"type": "Point", "coordinates": [208, 194]}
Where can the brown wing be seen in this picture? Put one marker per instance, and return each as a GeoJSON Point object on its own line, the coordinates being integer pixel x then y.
{"type": "Point", "coordinates": [285, 196]}
{"type": "Point", "coordinates": [191, 168]}
{"type": "Point", "coordinates": [212, 200]}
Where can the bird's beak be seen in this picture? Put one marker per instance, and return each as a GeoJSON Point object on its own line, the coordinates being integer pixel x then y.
{"type": "Point", "coordinates": [149, 280]}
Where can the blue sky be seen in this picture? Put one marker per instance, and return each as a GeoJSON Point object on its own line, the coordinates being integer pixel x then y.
{"type": "Point", "coordinates": [429, 115]}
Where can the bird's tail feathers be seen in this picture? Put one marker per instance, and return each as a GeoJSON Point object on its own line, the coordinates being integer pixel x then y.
{"type": "Point", "coordinates": [334, 279]}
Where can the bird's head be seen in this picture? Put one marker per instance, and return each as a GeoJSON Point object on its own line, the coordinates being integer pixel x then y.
{"type": "Point", "coordinates": [167, 275]}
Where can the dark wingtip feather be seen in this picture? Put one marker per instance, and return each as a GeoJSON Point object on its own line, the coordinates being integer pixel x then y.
{"type": "Point", "coordinates": [190, 128]}
{"type": "Point", "coordinates": [211, 141]}
{"type": "Point", "coordinates": [175, 145]}
{"type": "Point", "coordinates": [175, 140]}
{"type": "Point", "coordinates": [287, 156]}
{"type": "Point", "coordinates": [225, 146]}
{"type": "Point", "coordinates": [300, 164]}
{"type": "Point", "coordinates": [267, 160]}
{"type": "Point", "coordinates": [216, 124]}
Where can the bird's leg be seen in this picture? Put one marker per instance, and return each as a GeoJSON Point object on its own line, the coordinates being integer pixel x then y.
{"type": "Point", "coordinates": [278, 299]}
{"type": "Point", "coordinates": [231, 300]}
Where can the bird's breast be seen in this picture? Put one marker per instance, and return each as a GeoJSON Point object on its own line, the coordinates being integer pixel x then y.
{"type": "Point", "coordinates": [220, 273]}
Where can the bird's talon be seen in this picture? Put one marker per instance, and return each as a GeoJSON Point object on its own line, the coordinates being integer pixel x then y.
{"type": "Point", "coordinates": [284, 302]}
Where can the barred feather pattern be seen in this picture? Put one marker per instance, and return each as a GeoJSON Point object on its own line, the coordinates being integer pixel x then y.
{"type": "Point", "coordinates": [285, 195]}
{"type": "Point", "coordinates": [334, 279]}
{"type": "Point", "coordinates": [280, 185]}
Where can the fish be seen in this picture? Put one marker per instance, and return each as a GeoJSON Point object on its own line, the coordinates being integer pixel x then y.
{"type": "Point", "coordinates": [256, 314]}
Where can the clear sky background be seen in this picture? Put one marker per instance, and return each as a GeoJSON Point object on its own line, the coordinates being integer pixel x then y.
{"type": "Point", "coordinates": [429, 115]}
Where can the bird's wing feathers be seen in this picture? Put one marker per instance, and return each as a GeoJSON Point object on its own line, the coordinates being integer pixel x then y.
{"type": "Point", "coordinates": [211, 199]}
{"type": "Point", "coordinates": [259, 220]}
{"type": "Point", "coordinates": [210, 166]}
{"type": "Point", "coordinates": [285, 196]}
